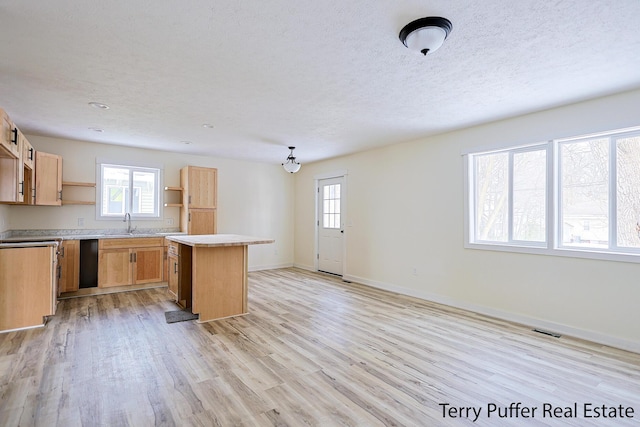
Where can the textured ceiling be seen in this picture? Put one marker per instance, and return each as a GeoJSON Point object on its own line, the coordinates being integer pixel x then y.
{"type": "Point", "coordinates": [330, 77]}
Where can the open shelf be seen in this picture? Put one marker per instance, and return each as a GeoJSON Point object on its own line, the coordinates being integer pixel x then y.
{"type": "Point", "coordinates": [79, 184]}
{"type": "Point", "coordinates": [173, 205]}
{"type": "Point", "coordinates": [77, 202]}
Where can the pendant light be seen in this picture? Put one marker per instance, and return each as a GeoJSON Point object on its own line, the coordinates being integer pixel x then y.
{"type": "Point", "coordinates": [425, 35]}
{"type": "Point", "coordinates": [291, 165]}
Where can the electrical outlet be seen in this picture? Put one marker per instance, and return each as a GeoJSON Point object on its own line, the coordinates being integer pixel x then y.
{"type": "Point", "coordinates": [169, 221]}
{"type": "Point", "coordinates": [415, 271]}
{"type": "Point", "coordinates": [80, 222]}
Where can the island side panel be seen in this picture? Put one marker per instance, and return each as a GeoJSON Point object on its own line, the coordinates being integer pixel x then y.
{"type": "Point", "coordinates": [219, 281]}
{"type": "Point", "coordinates": [25, 286]}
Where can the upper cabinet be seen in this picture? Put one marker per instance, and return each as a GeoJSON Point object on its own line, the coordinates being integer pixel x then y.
{"type": "Point", "coordinates": [26, 176]}
{"type": "Point", "coordinates": [11, 168]}
{"type": "Point", "coordinates": [200, 187]}
{"type": "Point", "coordinates": [48, 179]}
{"type": "Point", "coordinates": [199, 200]}
{"type": "Point", "coordinates": [28, 153]}
{"type": "Point", "coordinates": [9, 141]}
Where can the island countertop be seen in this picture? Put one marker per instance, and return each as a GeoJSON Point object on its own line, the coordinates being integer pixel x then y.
{"type": "Point", "coordinates": [213, 240]}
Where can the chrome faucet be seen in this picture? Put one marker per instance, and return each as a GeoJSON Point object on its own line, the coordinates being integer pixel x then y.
{"type": "Point", "coordinates": [127, 219]}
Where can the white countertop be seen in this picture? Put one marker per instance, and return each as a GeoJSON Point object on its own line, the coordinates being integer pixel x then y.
{"type": "Point", "coordinates": [28, 244]}
{"type": "Point", "coordinates": [212, 240]}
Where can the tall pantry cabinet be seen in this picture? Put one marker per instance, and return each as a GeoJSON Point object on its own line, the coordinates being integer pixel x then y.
{"type": "Point", "coordinates": [198, 214]}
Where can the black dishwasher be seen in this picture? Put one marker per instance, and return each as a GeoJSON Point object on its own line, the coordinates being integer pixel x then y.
{"type": "Point", "coordinates": [88, 263]}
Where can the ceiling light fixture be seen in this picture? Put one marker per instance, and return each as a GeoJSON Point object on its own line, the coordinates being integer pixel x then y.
{"type": "Point", "coordinates": [96, 129]}
{"type": "Point", "coordinates": [426, 35]}
{"type": "Point", "coordinates": [291, 165]}
{"type": "Point", "coordinates": [99, 105]}
{"type": "Point", "coordinates": [207, 125]}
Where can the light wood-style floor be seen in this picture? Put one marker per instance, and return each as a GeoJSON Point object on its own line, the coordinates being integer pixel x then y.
{"type": "Point", "coordinates": [313, 351]}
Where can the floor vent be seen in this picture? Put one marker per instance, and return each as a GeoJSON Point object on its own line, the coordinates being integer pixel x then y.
{"type": "Point", "coordinates": [551, 334]}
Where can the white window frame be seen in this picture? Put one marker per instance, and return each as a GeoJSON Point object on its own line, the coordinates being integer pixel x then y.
{"type": "Point", "coordinates": [553, 246]}
{"type": "Point", "coordinates": [155, 169]}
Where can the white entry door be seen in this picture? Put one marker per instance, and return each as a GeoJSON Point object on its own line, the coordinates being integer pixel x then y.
{"type": "Point", "coordinates": [330, 225]}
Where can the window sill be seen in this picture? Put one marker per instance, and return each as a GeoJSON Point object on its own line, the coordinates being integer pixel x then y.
{"type": "Point", "coordinates": [562, 252]}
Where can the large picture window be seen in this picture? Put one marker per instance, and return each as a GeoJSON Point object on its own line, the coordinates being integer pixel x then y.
{"type": "Point", "coordinates": [129, 189]}
{"type": "Point", "coordinates": [578, 195]}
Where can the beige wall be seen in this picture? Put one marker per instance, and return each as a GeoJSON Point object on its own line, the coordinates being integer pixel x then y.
{"type": "Point", "coordinates": [405, 212]}
{"type": "Point", "coordinates": [4, 218]}
{"type": "Point", "coordinates": [253, 198]}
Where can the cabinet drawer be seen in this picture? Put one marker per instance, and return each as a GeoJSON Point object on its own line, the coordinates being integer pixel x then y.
{"type": "Point", "coordinates": [133, 242]}
{"type": "Point", "coordinates": [173, 249]}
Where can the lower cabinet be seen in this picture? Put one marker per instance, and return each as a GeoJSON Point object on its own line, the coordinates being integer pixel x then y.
{"type": "Point", "coordinates": [69, 266]}
{"type": "Point", "coordinates": [131, 261]}
{"type": "Point", "coordinates": [27, 286]}
{"type": "Point", "coordinates": [179, 280]}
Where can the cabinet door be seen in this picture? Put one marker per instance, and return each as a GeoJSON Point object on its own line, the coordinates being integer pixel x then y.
{"type": "Point", "coordinates": [69, 265]}
{"type": "Point", "coordinates": [201, 221]}
{"type": "Point", "coordinates": [201, 186]}
{"type": "Point", "coordinates": [147, 265]}
{"type": "Point", "coordinates": [9, 141]}
{"type": "Point", "coordinates": [114, 267]}
{"type": "Point", "coordinates": [10, 179]}
{"type": "Point", "coordinates": [28, 153]}
{"type": "Point", "coordinates": [172, 261]}
{"type": "Point", "coordinates": [48, 179]}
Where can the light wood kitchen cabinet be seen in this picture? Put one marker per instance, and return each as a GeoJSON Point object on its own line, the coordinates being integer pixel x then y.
{"type": "Point", "coordinates": [69, 266]}
{"type": "Point", "coordinates": [199, 187]}
{"type": "Point", "coordinates": [27, 286]}
{"type": "Point", "coordinates": [48, 179]}
{"type": "Point", "coordinates": [201, 221]}
{"type": "Point", "coordinates": [199, 200]}
{"type": "Point", "coordinates": [28, 153]}
{"type": "Point", "coordinates": [9, 141]}
{"type": "Point", "coordinates": [130, 261]}
{"type": "Point", "coordinates": [11, 166]}
{"type": "Point", "coordinates": [179, 280]}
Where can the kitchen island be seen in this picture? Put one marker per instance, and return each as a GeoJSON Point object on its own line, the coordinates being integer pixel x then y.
{"type": "Point", "coordinates": [216, 284]}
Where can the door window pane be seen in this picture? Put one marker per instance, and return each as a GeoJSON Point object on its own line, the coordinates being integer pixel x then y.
{"type": "Point", "coordinates": [331, 206]}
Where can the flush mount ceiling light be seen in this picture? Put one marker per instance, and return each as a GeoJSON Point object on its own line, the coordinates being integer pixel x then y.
{"type": "Point", "coordinates": [291, 165]}
{"type": "Point", "coordinates": [425, 35]}
{"type": "Point", "coordinates": [99, 105]}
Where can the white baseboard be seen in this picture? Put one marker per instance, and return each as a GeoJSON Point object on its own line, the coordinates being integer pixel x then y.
{"type": "Point", "coordinates": [269, 267]}
{"type": "Point", "coordinates": [305, 267]}
{"type": "Point", "coordinates": [532, 322]}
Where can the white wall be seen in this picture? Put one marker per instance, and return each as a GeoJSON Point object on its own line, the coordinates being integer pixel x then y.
{"type": "Point", "coordinates": [405, 207]}
{"type": "Point", "coordinates": [253, 198]}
